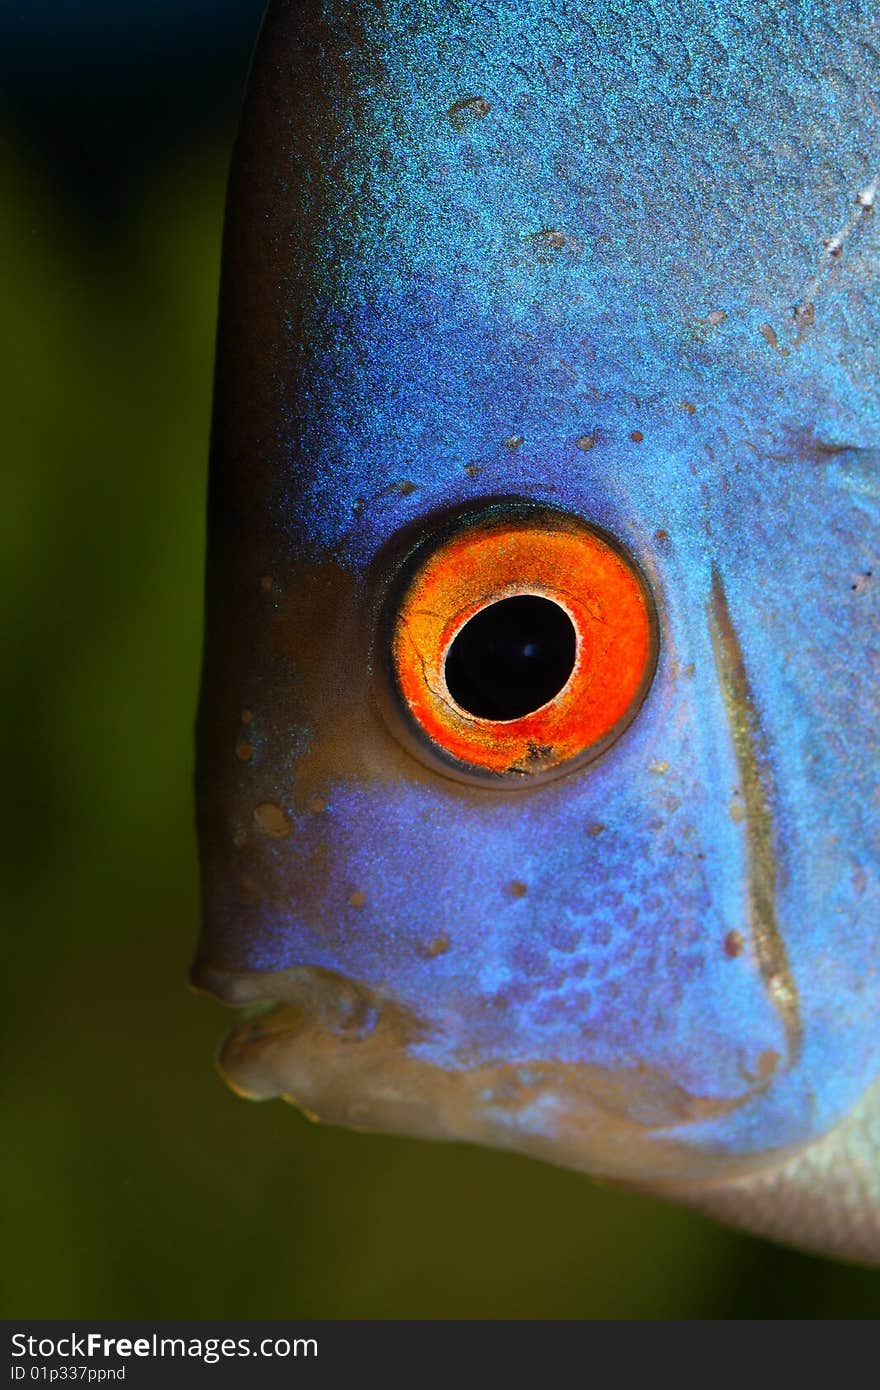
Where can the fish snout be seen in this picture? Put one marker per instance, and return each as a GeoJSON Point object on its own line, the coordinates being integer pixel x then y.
{"type": "Point", "coordinates": [346, 1053]}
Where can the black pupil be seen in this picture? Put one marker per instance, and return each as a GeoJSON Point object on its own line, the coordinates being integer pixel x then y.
{"type": "Point", "coordinates": [511, 658]}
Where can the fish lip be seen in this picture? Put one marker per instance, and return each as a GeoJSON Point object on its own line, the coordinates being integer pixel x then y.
{"type": "Point", "coordinates": [228, 986]}
{"type": "Point", "coordinates": [323, 1000]}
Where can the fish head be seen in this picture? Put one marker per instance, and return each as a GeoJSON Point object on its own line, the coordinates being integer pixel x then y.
{"type": "Point", "coordinates": [537, 746]}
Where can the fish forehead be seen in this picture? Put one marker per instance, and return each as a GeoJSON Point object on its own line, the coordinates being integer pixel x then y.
{"type": "Point", "coordinates": [575, 256]}
{"type": "Point", "coordinates": [558, 258]}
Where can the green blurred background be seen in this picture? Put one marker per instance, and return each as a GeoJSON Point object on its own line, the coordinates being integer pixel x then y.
{"type": "Point", "coordinates": [135, 1183]}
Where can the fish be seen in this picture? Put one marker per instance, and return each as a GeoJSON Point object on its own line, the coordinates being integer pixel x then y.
{"type": "Point", "coordinates": [537, 773]}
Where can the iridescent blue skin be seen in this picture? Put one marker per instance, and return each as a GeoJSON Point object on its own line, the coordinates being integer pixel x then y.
{"type": "Point", "coordinates": [620, 258]}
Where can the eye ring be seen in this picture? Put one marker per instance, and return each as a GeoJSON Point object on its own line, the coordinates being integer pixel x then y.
{"type": "Point", "coordinates": [556, 633]}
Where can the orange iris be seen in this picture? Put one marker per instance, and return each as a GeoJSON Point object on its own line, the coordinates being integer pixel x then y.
{"type": "Point", "coordinates": [511, 551]}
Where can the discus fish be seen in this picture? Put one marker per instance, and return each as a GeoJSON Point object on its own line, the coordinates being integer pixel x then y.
{"type": "Point", "coordinates": [538, 766]}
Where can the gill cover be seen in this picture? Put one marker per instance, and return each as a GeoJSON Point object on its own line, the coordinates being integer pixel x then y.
{"type": "Point", "coordinates": [537, 749]}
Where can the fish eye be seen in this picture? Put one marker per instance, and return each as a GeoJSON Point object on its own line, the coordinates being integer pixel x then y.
{"type": "Point", "coordinates": [518, 641]}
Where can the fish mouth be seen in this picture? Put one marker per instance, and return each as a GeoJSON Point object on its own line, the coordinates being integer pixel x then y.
{"type": "Point", "coordinates": [346, 1054]}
